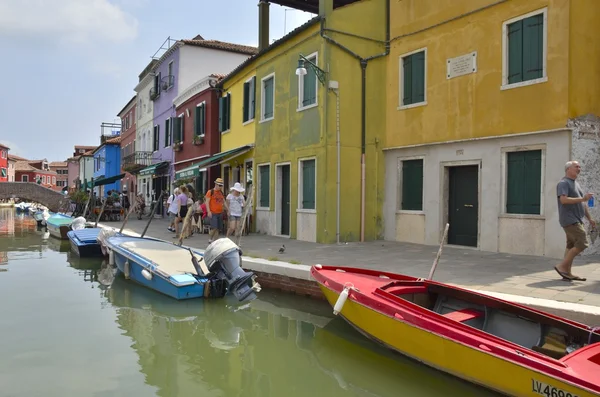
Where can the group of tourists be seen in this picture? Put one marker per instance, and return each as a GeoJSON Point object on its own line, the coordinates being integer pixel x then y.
{"type": "Point", "coordinates": [209, 210]}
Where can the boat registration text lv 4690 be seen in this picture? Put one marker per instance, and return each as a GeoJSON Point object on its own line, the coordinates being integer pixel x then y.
{"type": "Point", "coordinates": [549, 391]}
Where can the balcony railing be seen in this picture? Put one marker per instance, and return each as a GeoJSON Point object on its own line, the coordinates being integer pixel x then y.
{"type": "Point", "coordinates": [136, 161]}
{"type": "Point", "coordinates": [154, 93]}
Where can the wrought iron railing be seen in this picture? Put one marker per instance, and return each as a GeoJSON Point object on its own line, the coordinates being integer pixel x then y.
{"type": "Point", "coordinates": [136, 160]}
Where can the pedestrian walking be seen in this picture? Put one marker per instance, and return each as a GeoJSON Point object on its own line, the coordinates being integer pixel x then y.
{"type": "Point", "coordinates": [572, 207]}
{"type": "Point", "coordinates": [215, 204]}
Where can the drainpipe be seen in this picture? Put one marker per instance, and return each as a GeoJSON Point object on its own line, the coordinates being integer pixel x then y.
{"type": "Point", "coordinates": [363, 64]}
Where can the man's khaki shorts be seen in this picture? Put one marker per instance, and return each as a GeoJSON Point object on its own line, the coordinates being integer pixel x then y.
{"type": "Point", "coordinates": [576, 236]}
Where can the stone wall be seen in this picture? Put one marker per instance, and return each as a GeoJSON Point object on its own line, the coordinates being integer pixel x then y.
{"type": "Point", "coordinates": [29, 191]}
{"type": "Point", "coordinates": [585, 148]}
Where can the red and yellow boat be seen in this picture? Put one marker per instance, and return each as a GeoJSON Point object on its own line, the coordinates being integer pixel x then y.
{"type": "Point", "coordinates": [509, 348]}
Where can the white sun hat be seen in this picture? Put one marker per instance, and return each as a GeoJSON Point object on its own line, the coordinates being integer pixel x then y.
{"type": "Point", "coordinates": [238, 187]}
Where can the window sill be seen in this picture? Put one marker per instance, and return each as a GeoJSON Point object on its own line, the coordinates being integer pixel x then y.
{"type": "Point", "coordinates": [248, 122]}
{"type": "Point", "coordinates": [410, 212]}
{"type": "Point", "coordinates": [523, 83]}
{"type": "Point", "coordinates": [300, 109]}
{"type": "Point", "coordinates": [266, 120]}
{"type": "Point", "coordinates": [306, 211]}
{"type": "Point", "coordinates": [523, 216]}
{"type": "Point", "coordinates": [263, 209]}
{"type": "Point", "coordinates": [412, 105]}
{"type": "Point", "coordinates": [225, 132]}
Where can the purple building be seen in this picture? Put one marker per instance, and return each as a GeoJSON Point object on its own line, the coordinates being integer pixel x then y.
{"type": "Point", "coordinates": [183, 64]}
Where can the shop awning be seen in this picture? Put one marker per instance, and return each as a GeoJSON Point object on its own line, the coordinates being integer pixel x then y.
{"type": "Point", "coordinates": [234, 155]}
{"type": "Point", "coordinates": [188, 172]}
{"type": "Point", "coordinates": [227, 154]}
{"type": "Point", "coordinates": [150, 170]}
{"type": "Point", "coordinates": [105, 181]}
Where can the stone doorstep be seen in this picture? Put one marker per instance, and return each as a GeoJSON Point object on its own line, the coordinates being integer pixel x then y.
{"type": "Point", "coordinates": [296, 278]}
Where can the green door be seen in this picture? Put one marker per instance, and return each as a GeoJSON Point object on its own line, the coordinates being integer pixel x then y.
{"type": "Point", "coordinates": [285, 200]}
{"type": "Point", "coordinates": [463, 206]}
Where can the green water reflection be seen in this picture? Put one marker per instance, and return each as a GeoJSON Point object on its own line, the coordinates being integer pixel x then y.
{"type": "Point", "coordinates": [69, 328]}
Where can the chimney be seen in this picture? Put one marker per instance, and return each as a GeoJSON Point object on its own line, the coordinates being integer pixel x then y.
{"type": "Point", "coordinates": [263, 24]}
{"type": "Point", "coordinates": [325, 8]}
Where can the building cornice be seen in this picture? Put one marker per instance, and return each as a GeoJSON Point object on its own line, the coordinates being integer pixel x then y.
{"type": "Point", "coordinates": [167, 54]}
{"type": "Point", "coordinates": [194, 89]}
{"type": "Point", "coordinates": [145, 81]}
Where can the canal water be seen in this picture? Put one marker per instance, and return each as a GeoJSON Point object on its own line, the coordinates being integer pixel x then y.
{"type": "Point", "coordinates": [68, 327]}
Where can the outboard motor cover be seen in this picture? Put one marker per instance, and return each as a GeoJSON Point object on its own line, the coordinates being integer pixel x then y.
{"type": "Point", "coordinates": [224, 259]}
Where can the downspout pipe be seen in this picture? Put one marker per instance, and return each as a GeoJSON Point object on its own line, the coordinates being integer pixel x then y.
{"type": "Point", "coordinates": [363, 65]}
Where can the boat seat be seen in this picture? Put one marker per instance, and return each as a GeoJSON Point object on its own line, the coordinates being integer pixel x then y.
{"type": "Point", "coordinates": [513, 328]}
{"type": "Point", "coordinates": [463, 315]}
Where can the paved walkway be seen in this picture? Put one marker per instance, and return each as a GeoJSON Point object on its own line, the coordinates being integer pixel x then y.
{"type": "Point", "coordinates": [528, 276]}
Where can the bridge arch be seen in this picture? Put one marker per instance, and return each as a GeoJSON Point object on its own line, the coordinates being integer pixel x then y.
{"type": "Point", "coordinates": [29, 191]}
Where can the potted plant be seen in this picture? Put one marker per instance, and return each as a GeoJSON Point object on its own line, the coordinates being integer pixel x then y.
{"type": "Point", "coordinates": [198, 140]}
{"type": "Point", "coordinates": [177, 146]}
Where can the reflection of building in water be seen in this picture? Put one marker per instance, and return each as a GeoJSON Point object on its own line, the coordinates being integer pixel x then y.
{"type": "Point", "coordinates": [3, 257]}
{"type": "Point", "coordinates": [7, 221]}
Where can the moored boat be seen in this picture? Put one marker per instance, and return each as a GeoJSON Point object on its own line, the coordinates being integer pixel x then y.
{"type": "Point", "coordinates": [84, 242]}
{"type": "Point", "coordinates": [180, 272]}
{"type": "Point", "coordinates": [509, 348]}
{"type": "Point", "coordinates": [58, 225]}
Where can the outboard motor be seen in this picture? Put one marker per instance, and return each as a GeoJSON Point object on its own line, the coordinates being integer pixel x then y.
{"type": "Point", "coordinates": [224, 259]}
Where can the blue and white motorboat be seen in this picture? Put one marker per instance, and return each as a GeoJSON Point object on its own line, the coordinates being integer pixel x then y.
{"type": "Point", "coordinates": [181, 272]}
{"type": "Point", "coordinates": [84, 242]}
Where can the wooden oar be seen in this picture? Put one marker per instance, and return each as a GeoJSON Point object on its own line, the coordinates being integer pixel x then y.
{"type": "Point", "coordinates": [131, 209]}
{"type": "Point", "coordinates": [101, 212]}
{"type": "Point", "coordinates": [152, 214]}
{"type": "Point", "coordinates": [437, 258]}
{"type": "Point", "coordinates": [247, 208]}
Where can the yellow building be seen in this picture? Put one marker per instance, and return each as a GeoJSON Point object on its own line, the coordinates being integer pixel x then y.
{"type": "Point", "coordinates": [312, 102]}
{"type": "Point", "coordinates": [486, 102]}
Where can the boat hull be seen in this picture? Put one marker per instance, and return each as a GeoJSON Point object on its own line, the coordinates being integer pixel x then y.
{"type": "Point", "coordinates": [59, 232]}
{"type": "Point", "coordinates": [478, 366]}
{"type": "Point", "coordinates": [84, 242]}
{"type": "Point", "coordinates": [156, 283]}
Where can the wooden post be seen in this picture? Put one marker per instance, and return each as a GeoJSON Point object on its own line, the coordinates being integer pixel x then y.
{"type": "Point", "coordinates": [89, 198]}
{"type": "Point", "coordinates": [131, 209]}
{"type": "Point", "coordinates": [152, 214]}
{"type": "Point", "coordinates": [437, 258]}
{"type": "Point", "coordinates": [186, 225]}
{"type": "Point", "coordinates": [101, 212]}
{"type": "Point", "coordinates": [247, 209]}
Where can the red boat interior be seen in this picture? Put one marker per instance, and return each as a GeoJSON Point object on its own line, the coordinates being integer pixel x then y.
{"type": "Point", "coordinates": [545, 334]}
{"type": "Point", "coordinates": [532, 330]}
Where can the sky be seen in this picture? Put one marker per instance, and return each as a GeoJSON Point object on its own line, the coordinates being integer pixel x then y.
{"type": "Point", "coordinates": [70, 65]}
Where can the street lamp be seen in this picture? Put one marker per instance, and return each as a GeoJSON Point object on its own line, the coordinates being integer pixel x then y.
{"type": "Point", "coordinates": [301, 69]}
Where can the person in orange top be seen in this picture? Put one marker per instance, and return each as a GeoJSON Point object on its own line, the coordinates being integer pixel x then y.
{"type": "Point", "coordinates": [215, 203]}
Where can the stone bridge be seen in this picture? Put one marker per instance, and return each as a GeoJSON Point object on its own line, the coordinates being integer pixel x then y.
{"type": "Point", "coordinates": [29, 191]}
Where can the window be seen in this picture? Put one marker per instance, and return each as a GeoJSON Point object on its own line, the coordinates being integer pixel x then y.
{"type": "Point", "coordinates": [156, 140]}
{"type": "Point", "coordinates": [524, 182]}
{"type": "Point", "coordinates": [224, 112]}
{"type": "Point", "coordinates": [413, 76]}
{"type": "Point", "coordinates": [524, 49]}
{"type": "Point", "coordinates": [308, 184]}
{"type": "Point", "coordinates": [249, 99]}
{"type": "Point", "coordinates": [267, 105]}
{"type": "Point", "coordinates": [157, 79]}
{"type": "Point", "coordinates": [178, 129]}
{"type": "Point", "coordinates": [44, 179]}
{"type": "Point", "coordinates": [307, 85]}
{"type": "Point", "coordinates": [412, 185]}
{"type": "Point", "coordinates": [168, 132]}
{"type": "Point", "coordinates": [24, 178]}
{"type": "Point", "coordinates": [54, 180]}
{"type": "Point", "coordinates": [170, 76]}
{"type": "Point", "coordinates": [200, 119]}
{"type": "Point", "coordinates": [264, 183]}
{"type": "Point", "coordinates": [3, 172]}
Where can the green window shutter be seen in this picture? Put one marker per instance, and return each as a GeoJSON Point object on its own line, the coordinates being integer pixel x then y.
{"type": "Point", "coordinates": [246, 110]}
{"type": "Point", "coordinates": [269, 93]}
{"type": "Point", "coordinates": [264, 185]}
{"type": "Point", "coordinates": [253, 98]}
{"type": "Point", "coordinates": [412, 185]}
{"type": "Point", "coordinates": [523, 182]}
{"type": "Point", "coordinates": [418, 77]}
{"type": "Point", "coordinates": [308, 184]}
{"type": "Point", "coordinates": [202, 120]}
{"type": "Point", "coordinates": [228, 113]}
{"type": "Point", "coordinates": [195, 121]}
{"type": "Point", "coordinates": [181, 130]}
{"type": "Point", "coordinates": [167, 132]}
{"type": "Point", "coordinates": [221, 114]}
{"type": "Point", "coordinates": [515, 52]}
{"type": "Point", "coordinates": [3, 172]}
{"type": "Point", "coordinates": [533, 42]}
{"type": "Point", "coordinates": [407, 97]}
{"type": "Point", "coordinates": [309, 93]}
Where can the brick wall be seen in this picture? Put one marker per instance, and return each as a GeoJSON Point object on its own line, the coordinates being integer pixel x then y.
{"type": "Point", "coordinates": [28, 191]}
